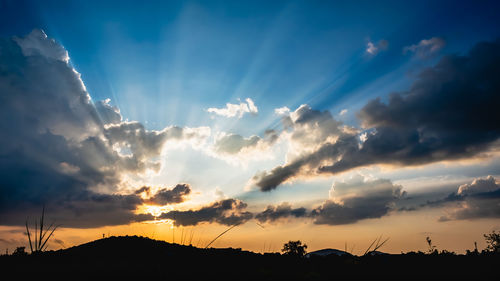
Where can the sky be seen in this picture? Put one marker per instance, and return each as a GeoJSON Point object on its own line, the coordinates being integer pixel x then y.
{"type": "Point", "coordinates": [332, 122]}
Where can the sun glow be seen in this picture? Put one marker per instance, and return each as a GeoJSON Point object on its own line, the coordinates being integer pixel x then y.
{"type": "Point", "coordinates": [154, 210]}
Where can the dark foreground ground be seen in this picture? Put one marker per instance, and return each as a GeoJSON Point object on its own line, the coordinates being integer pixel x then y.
{"type": "Point", "coordinates": [131, 256]}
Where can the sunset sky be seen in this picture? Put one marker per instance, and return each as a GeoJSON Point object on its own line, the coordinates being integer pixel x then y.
{"type": "Point", "coordinates": [332, 122]}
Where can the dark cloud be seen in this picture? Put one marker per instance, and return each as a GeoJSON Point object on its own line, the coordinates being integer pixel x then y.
{"type": "Point", "coordinates": [448, 113]}
{"type": "Point", "coordinates": [284, 210]}
{"type": "Point", "coordinates": [227, 212]}
{"type": "Point", "coordinates": [166, 196]}
{"type": "Point", "coordinates": [356, 200]}
{"type": "Point", "coordinates": [58, 148]}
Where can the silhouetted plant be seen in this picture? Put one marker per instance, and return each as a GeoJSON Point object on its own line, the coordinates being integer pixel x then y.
{"type": "Point", "coordinates": [218, 236]}
{"type": "Point", "coordinates": [294, 248]}
{"type": "Point", "coordinates": [493, 242]}
{"type": "Point", "coordinates": [377, 244]}
{"type": "Point", "coordinates": [432, 249]}
{"type": "Point", "coordinates": [19, 251]}
{"type": "Point", "coordinates": [41, 238]}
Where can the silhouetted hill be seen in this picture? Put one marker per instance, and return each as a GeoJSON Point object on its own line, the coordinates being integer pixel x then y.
{"type": "Point", "coordinates": [132, 256]}
{"type": "Point", "coordinates": [327, 252]}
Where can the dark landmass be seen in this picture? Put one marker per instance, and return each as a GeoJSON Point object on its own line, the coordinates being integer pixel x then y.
{"type": "Point", "coordinates": [139, 257]}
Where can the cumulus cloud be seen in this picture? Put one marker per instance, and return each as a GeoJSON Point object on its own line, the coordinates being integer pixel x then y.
{"type": "Point", "coordinates": [227, 212]}
{"type": "Point", "coordinates": [282, 211]}
{"type": "Point", "coordinates": [37, 43]}
{"type": "Point", "coordinates": [282, 110]}
{"type": "Point", "coordinates": [165, 196]}
{"type": "Point", "coordinates": [356, 199]}
{"type": "Point", "coordinates": [234, 143]}
{"type": "Point", "coordinates": [375, 48]}
{"type": "Point", "coordinates": [478, 199]}
{"type": "Point", "coordinates": [109, 114]}
{"type": "Point", "coordinates": [307, 131]}
{"type": "Point", "coordinates": [478, 186]}
{"type": "Point", "coordinates": [235, 110]}
{"type": "Point", "coordinates": [426, 47]}
{"type": "Point", "coordinates": [139, 146]}
{"type": "Point", "coordinates": [448, 113]}
{"type": "Point", "coordinates": [62, 150]}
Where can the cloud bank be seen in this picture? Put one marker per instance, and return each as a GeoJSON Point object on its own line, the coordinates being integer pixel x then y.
{"type": "Point", "coordinates": [61, 149]}
{"type": "Point", "coordinates": [449, 113]}
{"type": "Point", "coordinates": [282, 211]}
{"type": "Point", "coordinates": [357, 199]}
{"type": "Point", "coordinates": [475, 200]}
{"type": "Point", "coordinates": [226, 212]}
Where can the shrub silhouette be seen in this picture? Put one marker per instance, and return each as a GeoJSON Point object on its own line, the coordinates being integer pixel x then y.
{"type": "Point", "coordinates": [294, 248]}
{"type": "Point", "coordinates": [20, 251]}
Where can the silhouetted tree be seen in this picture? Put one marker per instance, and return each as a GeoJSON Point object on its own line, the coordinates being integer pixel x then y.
{"type": "Point", "coordinates": [492, 241]}
{"type": "Point", "coordinates": [294, 248]}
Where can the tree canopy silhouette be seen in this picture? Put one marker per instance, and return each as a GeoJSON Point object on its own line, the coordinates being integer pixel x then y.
{"type": "Point", "coordinates": [493, 241]}
{"type": "Point", "coordinates": [294, 248]}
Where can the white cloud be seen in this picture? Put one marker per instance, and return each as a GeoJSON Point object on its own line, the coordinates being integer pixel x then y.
{"type": "Point", "coordinates": [479, 186]}
{"type": "Point", "coordinates": [375, 48]}
{"type": "Point", "coordinates": [239, 150]}
{"type": "Point", "coordinates": [109, 114]}
{"type": "Point", "coordinates": [426, 47]}
{"type": "Point", "coordinates": [235, 110]}
{"type": "Point", "coordinates": [371, 49]}
{"type": "Point", "coordinates": [37, 43]}
{"type": "Point", "coordinates": [282, 110]}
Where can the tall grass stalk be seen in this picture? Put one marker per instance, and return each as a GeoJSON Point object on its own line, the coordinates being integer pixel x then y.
{"type": "Point", "coordinates": [42, 235]}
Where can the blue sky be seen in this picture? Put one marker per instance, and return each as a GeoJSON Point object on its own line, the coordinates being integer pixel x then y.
{"type": "Point", "coordinates": [259, 103]}
{"type": "Point", "coordinates": [149, 58]}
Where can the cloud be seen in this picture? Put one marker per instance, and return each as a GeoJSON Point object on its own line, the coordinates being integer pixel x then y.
{"type": "Point", "coordinates": [475, 200]}
{"type": "Point", "coordinates": [284, 210]}
{"type": "Point", "coordinates": [309, 129]}
{"type": "Point", "coordinates": [480, 199]}
{"type": "Point", "coordinates": [37, 43]}
{"type": "Point", "coordinates": [356, 199]}
{"type": "Point", "coordinates": [138, 145]}
{"type": "Point", "coordinates": [227, 212]}
{"type": "Point", "coordinates": [234, 143]}
{"type": "Point", "coordinates": [235, 110]}
{"type": "Point", "coordinates": [109, 114]}
{"type": "Point", "coordinates": [479, 186]}
{"type": "Point", "coordinates": [448, 113]}
{"type": "Point", "coordinates": [62, 150]}
{"type": "Point", "coordinates": [165, 196]}
{"type": "Point", "coordinates": [375, 48]}
{"type": "Point", "coordinates": [282, 110]}
{"type": "Point", "coordinates": [426, 47]}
